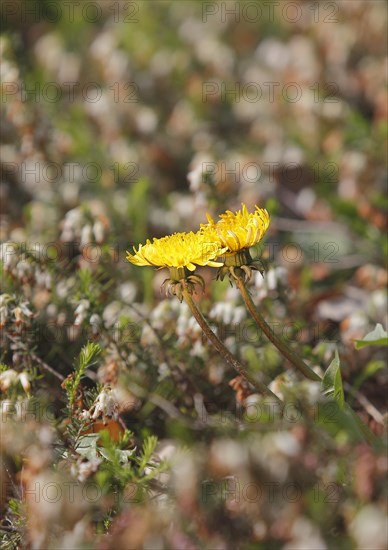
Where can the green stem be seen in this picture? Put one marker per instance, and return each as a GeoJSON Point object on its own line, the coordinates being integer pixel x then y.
{"type": "Point", "coordinates": [277, 342]}
{"type": "Point", "coordinates": [222, 350]}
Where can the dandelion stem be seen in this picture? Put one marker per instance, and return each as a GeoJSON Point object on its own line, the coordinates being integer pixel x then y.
{"type": "Point", "coordinates": [222, 350]}
{"type": "Point", "coordinates": [277, 342]}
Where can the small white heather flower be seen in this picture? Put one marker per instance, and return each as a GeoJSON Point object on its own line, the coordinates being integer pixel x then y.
{"type": "Point", "coordinates": [8, 379]}
{"type": "Point", "coordinates": [111, 313]}
{"type": "Point", "coordinates": [148, 336]}
{"type": "Point", "coordinates": [195, 178]}
{"type": "Point", "coordinates": [3, 315]}
{"type": "Point", "coordinates": [43, 279]}
{"type": "Point", "coordinates": [273, 279]}
{"type": "Point", "coordinates": [198, 349]}
{"type": "Point", "coordinates": [86, 235]}
{"type": "Point", "coordinates": [17, 311]}
{"type": "Point", "coordinates": [86, 469]}
{"type": "Point", "coordinates": [85, 415]}
{"type": "Point", "coordinates": [98, 231]}
{"type": "Point", "coordinates": [227, 313]}
{"type": "Point", "coordinates": [162, 313]}
{"type": "Point", "coordinates": [4, 299]}
{"type": "Point", "coordinates": [95, 322]}
{"type": "Point", "coordinates": [105, 404]}
{"type": "Point", "coordinates": [197, 174]}
{"type": "Point", "coordinates": [25, 310]}
{"type": "Point", "coordinates": [25, 382]}
{"type": "Point", "coordinates": [81, 311]}
{"type": "Point", "coordinates": [23, 268]}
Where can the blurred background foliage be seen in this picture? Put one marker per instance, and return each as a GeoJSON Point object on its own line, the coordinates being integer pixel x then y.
{"type": "Point", "coordinates": [122, 121]}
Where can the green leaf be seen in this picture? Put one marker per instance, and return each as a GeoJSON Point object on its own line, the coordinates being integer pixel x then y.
{"type": "Point", "coordinates": [121, 456]}
{"type": "Point", "coordinates": [370, 370]}
{"type": "Point", "coordinates": [147, 451]}
{"type": "Point", "coordinates": [88, 355]}
{"type": "Point", "coordinates": [3, 367]}
{"type": "Point", "coordinates": [87, 358]}
{"type": "Point", "coordinates": [378, 337]}
{"type": "Point", "coordinates": [339, 420]}
{"type": "Point", "coordinates": [87, 446]}
{"type": "Point", "coordinates": [332, 382]}
{"type": "Point", "coordinates": [367, 434]}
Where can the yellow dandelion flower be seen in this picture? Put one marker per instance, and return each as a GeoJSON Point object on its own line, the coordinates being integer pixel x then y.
{"type": "Point", "coordinates": [180, 250]}
{"type": "Point", "coordinates": [239, 230]}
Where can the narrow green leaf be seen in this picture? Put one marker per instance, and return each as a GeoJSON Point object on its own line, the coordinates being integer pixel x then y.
{"type": "Point", "coordinates": [359, 425]}
{"type": "Point", "coordinates": [87, 358]}
{"type": "Point", "coordinates": [147, 451]}
{"type": "Point", "coordinates": [88, 354]}
{"type": "Point", "coordinates": [378, 337]}
{"type": "Point", "coordinates": [332, 382]}
{"type": "Point", "coordinates": [370, 370]}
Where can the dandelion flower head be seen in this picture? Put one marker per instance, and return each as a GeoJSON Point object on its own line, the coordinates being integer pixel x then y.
{"type": "Point", "coordinates": [178, 250]}
{"type": "Point", "coordinates": [239, 230]}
